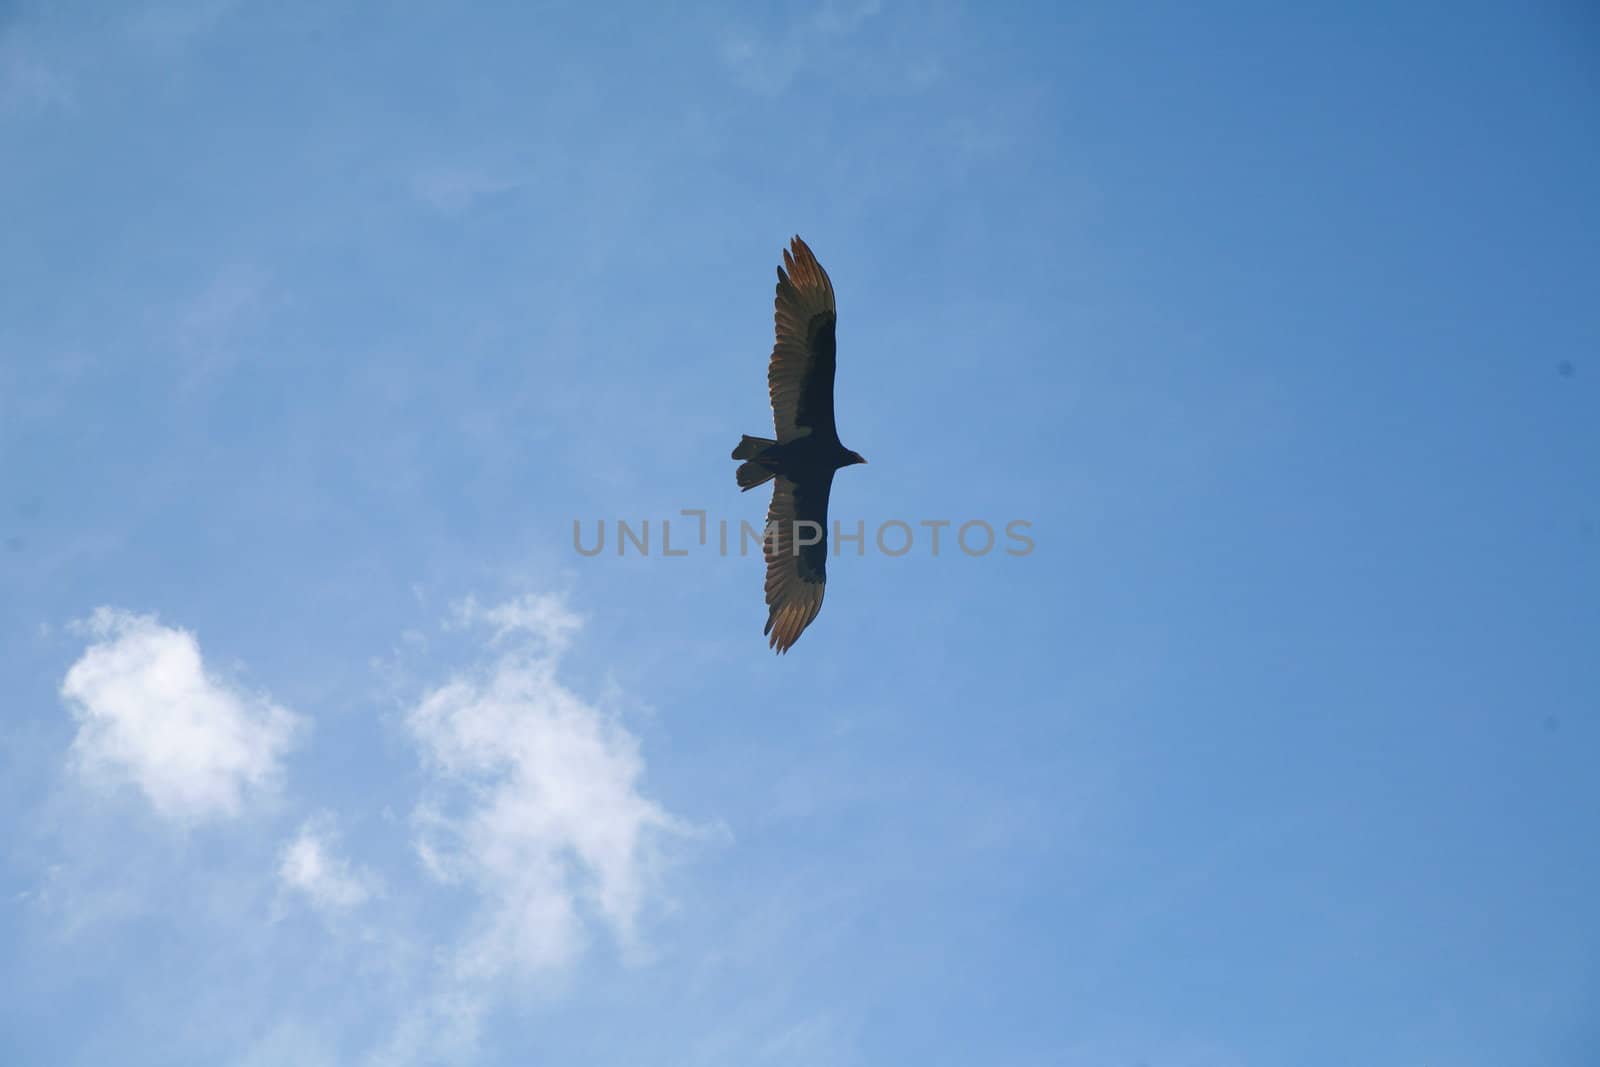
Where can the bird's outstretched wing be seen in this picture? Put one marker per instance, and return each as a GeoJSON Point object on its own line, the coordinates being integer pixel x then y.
{"type": "Point", "coordinates": [797, 568]}
{"type": "Point", "coordinates": [800, 373]}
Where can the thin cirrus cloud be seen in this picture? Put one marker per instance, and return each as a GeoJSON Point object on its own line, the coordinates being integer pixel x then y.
{"type": "Point", "coordinates": [452, 191]}
{"type": "Point", "coordinates": [768, 63]}
{"type": "Point", "coordinates": [150, 715]}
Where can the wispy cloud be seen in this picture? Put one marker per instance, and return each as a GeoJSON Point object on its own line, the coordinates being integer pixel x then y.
{"type": "Point", "coordinates": [152, 716]}
{"type": "Point", "coordinates": [28, 83]}
{"type": "Point", "coordinates": [208, 325]}
{"type": "Point", "coordinates": [174, 25]}
{"type": "Point", "coordinates": [767, 63]}
{"type": "Point", "coordinates": [540, 618]}
{"type": "Point", "coordinates": [310, 866]}
{"type": "Point", "coordinates": [537, 805]}
{"type": "Point", "coordinates": [289, 1042]}
{"type": "Point", "coordinates": [454, 190]}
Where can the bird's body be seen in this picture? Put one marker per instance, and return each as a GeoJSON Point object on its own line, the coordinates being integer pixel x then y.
{"type": "Point", "coordinates": [802, 458]}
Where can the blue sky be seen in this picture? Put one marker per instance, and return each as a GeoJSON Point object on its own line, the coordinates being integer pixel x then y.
{"type": "Point", "coordinates": [320, 324]}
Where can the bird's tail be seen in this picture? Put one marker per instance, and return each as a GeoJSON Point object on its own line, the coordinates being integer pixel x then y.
{"type": "Point", "coordinates": [751, 447]}
{"type": "Point", "coordinates": [752, 472]}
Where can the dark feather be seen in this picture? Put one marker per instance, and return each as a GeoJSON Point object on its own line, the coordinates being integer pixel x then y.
{"type": "Point", "coordinates": [807, 452]}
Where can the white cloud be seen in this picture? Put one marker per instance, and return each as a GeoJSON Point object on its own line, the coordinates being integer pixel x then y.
{"type": "Point", "coordinates": [538, 806]}
{"type": "Point", "coordinates": [149, 714]}
{"type": "Point", "coordinates": [310, 866]}
{"type": "Point", "coordinates": [532, 812]}
{"type": "Point", "coordinates": [543, 618]}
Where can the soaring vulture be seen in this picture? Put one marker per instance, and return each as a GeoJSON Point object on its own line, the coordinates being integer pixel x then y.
{"type": "Point", "coordinates": [807, 451]}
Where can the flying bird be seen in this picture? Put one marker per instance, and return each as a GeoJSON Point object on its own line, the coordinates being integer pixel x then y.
{"type": "Point", "coordinates": [807, 451]}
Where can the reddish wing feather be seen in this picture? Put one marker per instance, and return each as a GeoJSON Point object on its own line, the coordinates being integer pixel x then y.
{"type": "Point", "coordinates": [800, 373]}
{"type": "Point", "coordinates": [796, 574]}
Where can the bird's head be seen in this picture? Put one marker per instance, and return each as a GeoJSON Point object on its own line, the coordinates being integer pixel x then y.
{"type": "Point", "coordinates": [852, 458]}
